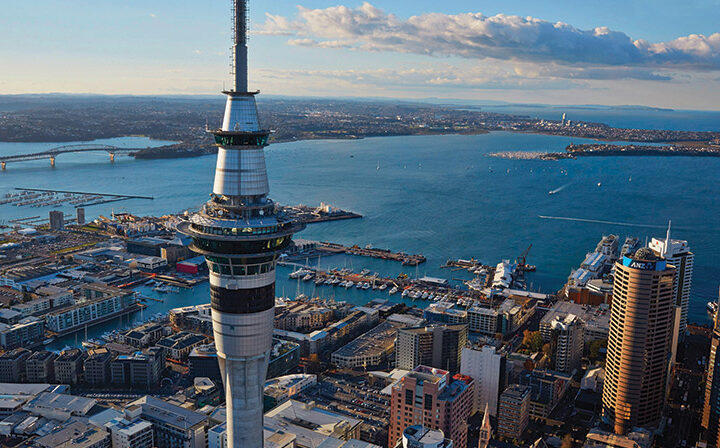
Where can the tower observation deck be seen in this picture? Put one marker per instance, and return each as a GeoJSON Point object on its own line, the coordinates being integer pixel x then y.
{"type": "Point", "coordinates": [241, 236]}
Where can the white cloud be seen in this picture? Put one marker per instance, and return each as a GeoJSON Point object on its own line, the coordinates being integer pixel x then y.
{"type": "Point", "coordinates": [504, 37]}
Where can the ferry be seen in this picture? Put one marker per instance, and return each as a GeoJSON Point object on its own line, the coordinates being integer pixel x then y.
{"type": "Point", "coordinates": [712, 307]}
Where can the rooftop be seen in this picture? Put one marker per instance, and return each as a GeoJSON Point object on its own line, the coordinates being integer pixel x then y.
{"type": "Point", "coordinates": [169, 413]}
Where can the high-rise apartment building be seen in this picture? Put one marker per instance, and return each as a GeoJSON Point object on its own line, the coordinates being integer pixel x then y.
{"type": "Point", "coordinates": [677, 253]}
{"type": "Point", "coordinates": [639, 342]}
{"type": "Point", "coordinates": [430, 397]}
{"type": "Point", "coordinates": [241, 236]}
{"type": "Point", "coordinates": [486, 366]}
{"type": "Point", "coordinates": [57, 220]}
{"type": "Point", "coordinates": [513, 411]}
{"type": "Point", "coordinates": [437, 346]}
{"type": "Point", "coordinates": [711, 409]}
{"type": "Point", "coordinates": [565, 334]}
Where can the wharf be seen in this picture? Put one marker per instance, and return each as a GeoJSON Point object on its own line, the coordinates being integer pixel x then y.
{"type": "Point", "coordinates": [384, 254]}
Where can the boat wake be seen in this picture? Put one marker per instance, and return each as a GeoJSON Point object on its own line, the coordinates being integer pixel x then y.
{"type": "Point", "coordinates": [598, 221]}
{"type": "Point", "coordinates": [558, 190]}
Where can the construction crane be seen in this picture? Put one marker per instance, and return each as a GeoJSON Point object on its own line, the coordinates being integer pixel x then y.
{"type": "Point", "coordinates": [522, 261]}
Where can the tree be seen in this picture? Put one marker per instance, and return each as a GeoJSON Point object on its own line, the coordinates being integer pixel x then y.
{"type": "Point", "coordinates": [594, 348]}
{"type": "Point", "coordinates": [567, 441]}
{"type": "Point", "coordinates": [532, 340]}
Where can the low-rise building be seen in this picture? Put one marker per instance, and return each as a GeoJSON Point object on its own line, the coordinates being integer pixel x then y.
{"type": "Point", "coordinates": [311, 426]}
{"type": "Point", "coordinates": [418, 436]}
{"type": "Point", "coordinates": [130, 431]}
{"type": "Point", "coordinates": [368, 350]}
{"type": "Point", "coordinates": [100, 302]}
{"type": "Point", "coordinates": [142, 369]}
{"type": "Point", "coordinates": [173, 426]}
{"type": "Point", "coordinates": [12, 365]}
{"type": "Point", "coordinates": [69, 366]}
{"type": "Point", "coordinates": [40, 367]}
{"type": "Point", "coordinates": [179, 345]}
{"type": "Point", "coordinates": [97, 366]}
{"type": "Point", "coordinates": [75, 434]}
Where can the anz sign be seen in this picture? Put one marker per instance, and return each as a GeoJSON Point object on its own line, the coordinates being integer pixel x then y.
{"type": "Point", "coordinates": [644, 265]}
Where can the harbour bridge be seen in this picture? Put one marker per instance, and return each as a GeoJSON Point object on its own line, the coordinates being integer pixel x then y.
{"type": "Point", "coordinates": [52, 153]}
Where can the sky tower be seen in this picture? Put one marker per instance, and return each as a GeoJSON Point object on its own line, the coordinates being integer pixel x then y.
{"type": "Point", "coordinates": [241, 236]}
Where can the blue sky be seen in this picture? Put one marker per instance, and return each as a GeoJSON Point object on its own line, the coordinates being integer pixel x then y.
{"type": "Point", "coordinates": [657, 53]}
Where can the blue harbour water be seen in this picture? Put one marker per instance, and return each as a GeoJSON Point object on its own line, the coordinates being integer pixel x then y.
{"type": "Point", "coordinates": [441, 196]}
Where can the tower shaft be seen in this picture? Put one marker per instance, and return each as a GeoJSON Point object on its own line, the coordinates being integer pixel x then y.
{"type": "Point", "coordinates": [241, 236]}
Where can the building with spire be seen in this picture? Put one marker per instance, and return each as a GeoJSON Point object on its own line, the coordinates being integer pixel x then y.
{"type": "Point", "coordinates": [241, 236]}
{"type": "Point", "coordinates": [711, 408]}
{"type": "Point", "coordinates": [677, 253]}
{"type": "Point", "coordinates": [485, 434]}
{"type": "Point", "coordinates": [639, 343]}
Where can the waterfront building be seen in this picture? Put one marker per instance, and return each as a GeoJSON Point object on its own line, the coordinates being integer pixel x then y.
{"type": "Point", "coordinates": [130, 431]}
{"type": "Point", "coordinates": [69, 366]}
{"type": "Point", "coordinates": [57, 220]}
{"type": "Point", "coordinates": [486, 366]}
{"type": "Point", "coordinates": [173, 426]}
{"type": "Point", "coordinates": [418, 436]}
{"type": "Point", "coordinates": [677, 253]}
{"type": "Point", "coordinates": [40, 367]}
{"type": "Point", "coordinates": [433, 345]}
{"type": "Point", "coordinates": [445, 313]}
{"type": "Point", "coordinates": [101, 303]}
{"type": "Point", "coordinates": [142, 369]}
{"type": "Point", "coordinates": [12, 365]}
{"type": "Point", "coordinates": [430, 397]}
{"type": "Point", "coordinates": [26, 332]}
{"type": "Point", "coordinates": [97, 366]}
{"type": "Point", "coordinates": [513, 411]}
{"type": "Point", "coordinates": [241, 236]}
{"type": "Point", "coordinates": [711, 407]}
{"type": "Point", "coordinates": [639, 343]}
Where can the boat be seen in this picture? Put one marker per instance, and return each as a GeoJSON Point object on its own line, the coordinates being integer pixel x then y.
{"type": "Point", "coordinates": [425, 295]}
{"type": "Point", "coordinates": [365, 272]}
{"type": "Point", "coordinates": [366, 285]}
{"type": "Point", "coordinates": [405, 293]}
{"type": "Point", "coordinates": [359, 285]}
{"type": "Point", "coordinates": [297, 274]}
{"type": "Point", "coordinates": [394, 290]}
{"type": "Point", "coordinates": [307, 277]}
{"type": "Point", "coordinates": [348, 284]}
{"type": "Point", "coordinates": [599, 184]}
{"type": "Point", "coordinates": [382, 287]}
{"type": "Point", "coordinates": [712, 307]}
{"type": "Point", "coordinates": [319, 281]}
{"type": "Point", "coordinates": [49, 341]}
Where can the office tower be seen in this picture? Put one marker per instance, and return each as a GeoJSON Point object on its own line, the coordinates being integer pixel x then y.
{"type": "Point", "coordinates": [677, 253]}
{"type": "Point", "coordinates": [639, 341]}
{"type": "Point", "coordinates": [57, 220]}
{"type": "Point", "coordinates": [434, 345]}
{"type": "Point", "coordinates": [418, 436]}
{"type": "Point", "coordinates": [711, 409]}
{"type": "Point", "coordinates": [514, 411]}
{"type": "Point", "coordinates": [80, 216]}
{"type": "Point", "coordinates": [431, 398]}
{"type": "Point", "coordinates": [565, 334]}
{"type": "Point", "coordinates": [242, 237]}
{"type": "Point", "coordinates": [487, 368]}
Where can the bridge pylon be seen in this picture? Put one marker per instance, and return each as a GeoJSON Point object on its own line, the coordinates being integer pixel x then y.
{"type": "Point", "coordinates": [3, 165]}
{"type": "Point", "coordinates": [112, 157]}
{"type": "Point", "coordinates": [52, 161]}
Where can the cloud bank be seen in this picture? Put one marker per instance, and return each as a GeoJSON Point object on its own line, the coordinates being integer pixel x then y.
{"type": "Point", "coordinates": [504, 37]}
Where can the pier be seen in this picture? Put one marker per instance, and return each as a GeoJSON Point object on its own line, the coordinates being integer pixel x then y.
{"type": "Point", "coordinates": [36, 197]}
{"type": "Point", "coordinates": [368, 251]}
